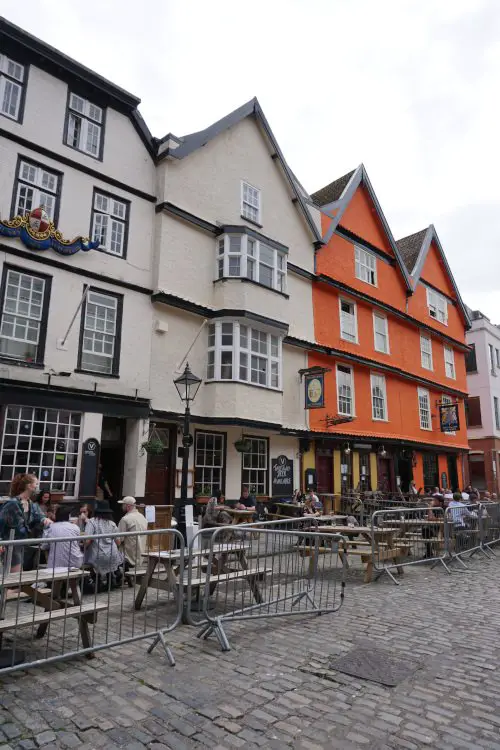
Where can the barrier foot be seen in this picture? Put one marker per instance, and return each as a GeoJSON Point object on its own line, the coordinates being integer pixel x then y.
{"type": "Point", "coordinates": [386, 570]}
{"type": "Point", "coordinates": [205, 631]}
{"type": "Point", "coordinates": [494, 554]}
{"type": "Point", "coordinates": [160, 638]}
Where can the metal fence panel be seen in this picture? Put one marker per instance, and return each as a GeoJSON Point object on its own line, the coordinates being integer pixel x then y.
{"type": "Point", "coordinates": [464, 528]}
{"type": "Point", "coordinates": [252, 573]}
{"type": "Point", "coordinates": [54, 609]}
{"type": "Point", "coordinates": [490, 525]}
{"type": "Point", "coordinates": [408, 536]}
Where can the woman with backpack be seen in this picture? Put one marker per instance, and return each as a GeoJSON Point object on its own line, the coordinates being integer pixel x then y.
{"type": "Point", "coordinates": [103, 554]}
{"type": "Point", "coordinates": [25, 517]}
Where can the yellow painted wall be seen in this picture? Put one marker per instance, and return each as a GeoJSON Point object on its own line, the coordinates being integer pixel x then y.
{"type": "Point", "coordinates": [355, 470]}
{"type": "Point", "coordinates": [308, 462]}
{"type": "Point", "coordinates": [373, 470]}
{"type": "Point", "coordinates": [337, 484]}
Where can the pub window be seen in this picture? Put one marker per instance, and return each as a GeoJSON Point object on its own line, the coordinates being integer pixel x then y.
{"type": "Point", "coordinates": [23, 315]}
{"type": "Point", "coordinates": [43, 442]}
{"type": "Point", "coordinates": [209, 463]}
{"type": "Point", "coordinates": [100, 333]}
{"type": "Point", "coordinates": [255, 466]}
{"type": "Point", "coordinates": [365, 482]}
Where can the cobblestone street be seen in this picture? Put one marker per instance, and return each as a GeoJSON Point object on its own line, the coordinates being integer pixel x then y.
{"type": "Point", "coordinates": [274, 689]}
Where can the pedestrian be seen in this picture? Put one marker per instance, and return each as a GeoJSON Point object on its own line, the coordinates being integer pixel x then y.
{"type": "Point", "coordinates": [133, 547]}
{"type": "Point", "coordinates": [24, 517]}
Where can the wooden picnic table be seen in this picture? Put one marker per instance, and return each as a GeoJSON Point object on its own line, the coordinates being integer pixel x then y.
{"type": "Point", "coordinates": [240, 516]}
{"type": "Point", "coordinates": [170, 562]}
{"type": "Point", "coordinates": [55, 608]}
{"type": "Point", "coordinates": [384, 539]}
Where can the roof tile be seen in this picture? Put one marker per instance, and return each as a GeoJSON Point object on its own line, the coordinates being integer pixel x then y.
{"type": "Point", "coordinates": [409, 248]}
{"type": "Point", "coordinates": [333, 191]}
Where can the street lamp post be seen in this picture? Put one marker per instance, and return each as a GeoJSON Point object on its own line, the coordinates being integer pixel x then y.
{"type": "Point", "coordinates": [187, 387]}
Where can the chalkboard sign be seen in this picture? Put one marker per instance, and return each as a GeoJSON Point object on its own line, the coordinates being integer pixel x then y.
{"type": "Point", "coordinates": [282, 476]}
{"type": "Point", "coordinates": [90, 467]}
{"type": "Point", "coordinates": [444, 481]}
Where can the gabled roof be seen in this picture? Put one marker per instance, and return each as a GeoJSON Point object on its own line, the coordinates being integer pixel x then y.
{"type": "Point", "coordinates": [342, 191]}
{"type": "Point", "coordinates": [194, 141]}
{"type": "Point", "coordinates": [332, 192]}
{"type": "Point", "coordinates": [409, 247]}
{"type": "Point", "coordinates": [416, 249]}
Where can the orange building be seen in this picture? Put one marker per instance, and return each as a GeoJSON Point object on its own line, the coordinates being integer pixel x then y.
{"type": "Point", "coordinates": [390, 335]}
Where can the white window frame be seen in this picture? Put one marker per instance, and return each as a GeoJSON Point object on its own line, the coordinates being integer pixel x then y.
{"type": "Point", "coordinates": [36, 186]}
{"type": "Point", "coordinates": [53, 451]}
{"type": "Point", "coordinates": [100, 336]}
{"type": "Point", "coordinates": [365, 265]}
{"type": "Point", "coordinates": [352, 413]}
{"type": "Point", "coordinates": [23, 313]}
{"type": "Point", "coordinates": [110, 214]}
{"type": "Point", "coordinates": [378, 381]}
{"type": "Point", "coordinates": [259, 473]}
{"type": "Point", "coordinates": [251, 202]}
{"type": "Point", "coordinates": [245, 341]}
{"type": "Point", "coordinates": [344, 334]}
{"type": "Point", "coordinates": [12, 78]}
{"type": "Point", "coordinates": [377, 316]}
{"type": "Point", "coordinates": [425, 423]}
{"type": "Point", "coordinates": [496, 412]}
{"type": "Point", "coordinates": [89, 116]}
{"type": "Point", "coordinates": [449, 362]}
{"type": "Point", "coordinates": [437, 305]}
{"type": "Point", "coordinates": [445, 399]}
{"type": "Point", "coordinates": [426, 359]}
{"type": "Point", "coordinates": [207, 468]}
{"type": "Point", "coordinates": [249, 250]}
{"type": "Point", "coordinates": [491, 356]}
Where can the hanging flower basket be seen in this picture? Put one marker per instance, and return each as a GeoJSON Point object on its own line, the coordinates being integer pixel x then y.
{"type": "Point", "coordinates": [243, 446]}
{"type": "Point", "coordinates": [154, 445]}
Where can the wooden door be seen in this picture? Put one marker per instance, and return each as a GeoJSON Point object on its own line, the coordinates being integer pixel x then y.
{"type": "Point", "coordinates": [324, 473]}
{"type": "Point", "coordinates": [385, 475]}
{"type": "Point", "coordinates": [157, 479]}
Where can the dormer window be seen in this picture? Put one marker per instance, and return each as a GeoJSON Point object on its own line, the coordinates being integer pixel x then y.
{"type": "Point", "coordinates": [247, 257]}
{"type": "Point", "coordinates": [84, 129]}
{"type": "Point", "coordinates": [438, 306]}
{"type": "Point", "coordinates": [365, 266]}
{"type": "Point", "coordinates": [250, 203]}
{"type": "Point", "coordinates": [11, 87]}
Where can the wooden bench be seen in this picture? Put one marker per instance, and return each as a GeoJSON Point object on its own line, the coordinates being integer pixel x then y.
{"type": "Point", "coordinates": [392, 553]}
{"type": "Point", "coordinates": [251, 575]}
{"type": "Point", "coordinates": [37, 618]}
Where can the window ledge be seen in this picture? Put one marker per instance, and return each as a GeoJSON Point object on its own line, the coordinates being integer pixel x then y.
{"type": "Point", "coordinates": [377, 419]}
{"type": "Point", "coordinates": [113, 376]}
{"type": "Point", "coordinates": [243, 382]}
{"type": "Point", "coordinates": [255, 283]}
{"type": "Point", "coordinates": [251, 221]}
{"type": "Point", "coordinates": [21, 363]}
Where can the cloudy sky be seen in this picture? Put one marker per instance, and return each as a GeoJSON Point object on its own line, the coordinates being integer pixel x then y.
{"type": "Point", "coordinates": [409, 87]}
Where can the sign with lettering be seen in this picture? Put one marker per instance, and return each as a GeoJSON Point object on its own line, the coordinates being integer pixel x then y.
{"type": "Point", "coordinates": [282, 476]}
{"type": "Point", "coordinates": [90, 467]}
{"type": "Point", "coordinates": [315, 390]}
{"type": "Point", "coordinates": [448, 418]}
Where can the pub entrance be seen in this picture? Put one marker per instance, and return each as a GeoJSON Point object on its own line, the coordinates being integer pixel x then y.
{"type": "Point", "coordinates": [160, 470]}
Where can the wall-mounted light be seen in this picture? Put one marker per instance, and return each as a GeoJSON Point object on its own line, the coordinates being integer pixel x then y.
{"type": "Point", "coordinates": [347, 450]}
{"type": "Point", "coordinates": [382, 452]}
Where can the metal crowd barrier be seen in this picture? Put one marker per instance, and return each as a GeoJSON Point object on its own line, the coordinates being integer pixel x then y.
{"type": "Point", "coordinates": [54, 609]}
{"type": "Point", "coordinates": [264, 572]}
{"type": "Point", "coordinates": [464, 529]}
{"type": "Point", "coordinates": [490, 521]}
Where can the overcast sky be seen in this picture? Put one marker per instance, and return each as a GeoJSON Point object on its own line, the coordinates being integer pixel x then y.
{"type": "Point", "coordinates": [409, 87]}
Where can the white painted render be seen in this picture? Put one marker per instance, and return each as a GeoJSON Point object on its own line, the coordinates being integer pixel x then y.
{"type": "Point", "coordinates": [125, 157]}
{"type": "Point", "coordinates": [486, 382]}
{"type": "Point", "coordinates": [207, 183]}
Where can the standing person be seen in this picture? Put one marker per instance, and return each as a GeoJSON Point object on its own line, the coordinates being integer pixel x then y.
{"type": "Point", "coordinates": [134, 547]}
{"type": "Point", "coordinates": [246, 501]}
{"type": "Point", "coordinates": [63, 554]}
{"type": "Point", "coordinates": [23, 516]}
{"type": "Point", "coordinates": [103, 554]}
{"type": "Point", "coordinates": [103, 491]}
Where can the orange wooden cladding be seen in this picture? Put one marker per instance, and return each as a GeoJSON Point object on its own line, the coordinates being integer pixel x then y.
{"type": "Point", "coordinates": [337, 260]}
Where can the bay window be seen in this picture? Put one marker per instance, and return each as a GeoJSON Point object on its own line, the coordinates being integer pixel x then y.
{"type": "Point", "coordinates": [237, 351]}
{"type": "Point", "coordinates": [247, 257]}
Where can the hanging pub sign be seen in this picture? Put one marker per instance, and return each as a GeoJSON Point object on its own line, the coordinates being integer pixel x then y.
{"type": "Point", "coordinates": [448, 418]}
{"type": "Point", "coordinates": [38, 232]}
{"type": "Point", "coordinates": [282, 477]}
{"type": "Point", "coordinates": [315, 390]}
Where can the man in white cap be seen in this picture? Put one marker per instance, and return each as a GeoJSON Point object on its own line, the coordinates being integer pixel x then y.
{"type": "Point", "coordinates": [133, 546]}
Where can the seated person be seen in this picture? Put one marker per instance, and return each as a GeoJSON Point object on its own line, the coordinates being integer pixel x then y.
{"type": "Point", "coordinates": [63, 554]}
{"type": "Point", "coordinates": [215, 515]}
{"type": "Point", "coordinates": [312, 504]}
{"type": "Point", "coordinates": [246, 501]}
{"type": "Point", "coordinates": [102, 554]}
